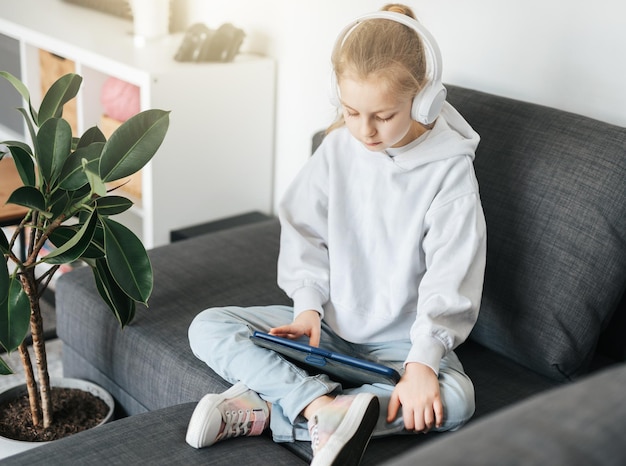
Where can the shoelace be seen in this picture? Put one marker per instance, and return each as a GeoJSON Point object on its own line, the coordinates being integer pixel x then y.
{"type": "Point", "coordinates": [241, 422]}
{"type": "Point", "coordinates": [314, 433]}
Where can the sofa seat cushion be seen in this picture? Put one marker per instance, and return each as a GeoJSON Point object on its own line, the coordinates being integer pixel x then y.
{"type": "Point", "coordinates": [154, 438]}
{"type": "Point", "coordinates": [553, 187]}
{"type": "Point", "coordinates": [149, 365]}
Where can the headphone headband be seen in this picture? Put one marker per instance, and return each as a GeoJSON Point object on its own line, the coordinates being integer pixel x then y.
{"type": "Point", "coordinates": [428, 102]}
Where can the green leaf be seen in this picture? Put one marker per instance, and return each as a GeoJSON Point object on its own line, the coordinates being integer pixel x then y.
{"type": "Point", "coordinates": [4, 368]}
{"type": "Point", "coordinates": [122, 306]}
{"type": "Point", "coordinates": [78, 197]}
{"type": "Point", "coordinates": [73, 173]}
{"type": "Point", "coordinates": [127, 260]}
{"type": "Point", "coordinates": [31, 127]}
{"type": "Point", "coordinates": [133, 144]}
{"type": "Point", "coordinates": [61, 92]}
{"type": "Point", "coordinates": [112, 205]}
{"type": "Point", "coordinates": [4, 243]}
{"type": "Point", "coordinates": [90, 136]}
{"type": "Point", "coordinates": [5, 279]}
{"type": "Point", "coordinates": [17, 84]}
{"type": "Point", "coordinates": [63, 234]}
{"type": "Point", "coordinates": [59, 202]}
{"type": "Point", "coordinates": [29, 196]}
{"type": "Point", "coordinates": [5, 284]}
{"type": "Point", "coordinates": [98, 188]}
{"type": "Point", "coordinates": [96, 247]}
{"type": "Point", "coordinates": [76, 246]}
{"type": "Point", "coordinates": [24, 164]}
{"type": "Point", "coordinates": [55, 144]}
{"type": "Point", "coordinates": [20, 144]}
{"type": "Point", "coordinates": [14, 316]}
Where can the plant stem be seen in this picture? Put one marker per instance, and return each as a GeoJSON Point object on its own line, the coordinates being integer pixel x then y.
{"type": "Point", "coordinates": [31, 385]}
{"type": "Point", "coordinates": [37, 241]}
{"type": "Point", "coordinates": [41, 360]}
{"type": "Point", "coordinates": [29, 284]}
{"type": "Point", "coordinates": [45, 279]}
{"type": "Point", "coordinates": [33, 232]}
{"type": "Point", "coordinates": [16, 234]}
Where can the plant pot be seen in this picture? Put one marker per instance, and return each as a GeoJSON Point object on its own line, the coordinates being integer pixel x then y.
{"type": "Point", "coordinates": [9, 447]}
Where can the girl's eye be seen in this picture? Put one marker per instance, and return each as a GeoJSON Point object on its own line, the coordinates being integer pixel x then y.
{"type": "Point", "coordinates": [350, 114]}
{"type": "Point", "coordinates": [384, 120]}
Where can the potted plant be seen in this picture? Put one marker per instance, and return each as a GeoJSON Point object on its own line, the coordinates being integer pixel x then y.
{"type": "Point", "coordinates": [67, 191]}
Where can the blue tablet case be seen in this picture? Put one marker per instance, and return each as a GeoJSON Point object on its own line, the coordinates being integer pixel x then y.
{"type": "Point", "coordinates": [339, 367]}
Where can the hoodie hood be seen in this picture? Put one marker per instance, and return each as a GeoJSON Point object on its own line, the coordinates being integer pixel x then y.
{"type": "Point", "coordinates": [451, 136]}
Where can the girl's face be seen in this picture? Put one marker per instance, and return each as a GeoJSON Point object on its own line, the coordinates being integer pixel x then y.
{"type": "Point", "coordinates": [375, 116]}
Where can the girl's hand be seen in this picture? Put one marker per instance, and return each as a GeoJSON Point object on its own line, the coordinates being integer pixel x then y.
{"type": "Point", "coordinates": [418, 394]}
{"type": "Point", "coordinates": [307, 323]}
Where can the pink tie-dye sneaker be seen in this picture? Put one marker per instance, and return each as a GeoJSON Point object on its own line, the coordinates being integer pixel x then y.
{"type": "Point", "coordinates": [341, 430]}
{"type": "Point", "coordinates": [236, 412]}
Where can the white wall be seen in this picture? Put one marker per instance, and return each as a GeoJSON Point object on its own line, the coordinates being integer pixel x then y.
{"type": "Point", "coordinates": [569, 54]}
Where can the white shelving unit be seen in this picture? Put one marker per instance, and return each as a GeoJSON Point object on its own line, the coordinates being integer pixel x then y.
{"type": "Point", "coordinates": [217, 158]}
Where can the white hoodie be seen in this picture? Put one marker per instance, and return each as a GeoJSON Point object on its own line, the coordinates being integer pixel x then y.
{"type": "Point", "coordinates": [389, 246]}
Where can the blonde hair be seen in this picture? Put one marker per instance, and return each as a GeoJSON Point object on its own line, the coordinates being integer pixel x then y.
{"type": "Point", "coordinates": [384, 49]}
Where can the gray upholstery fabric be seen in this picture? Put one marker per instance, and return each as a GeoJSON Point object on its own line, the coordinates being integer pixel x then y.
{"type": "Point", "coordinates": [581, 424]}
{"type": "Point", "coordinates": [155, 345]}
{"type": "Point", "coordinates": [556, 270]}
{"type": "Point", "coordinates": [148, 365]}
{"type": "Point", "coordinates": [612, 343]}
{"type": "Point", "coordinates": [155, 438]}
{"type": "Point", "coordinates": [553, 187]}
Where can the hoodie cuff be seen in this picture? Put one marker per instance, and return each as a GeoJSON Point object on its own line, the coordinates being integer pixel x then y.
{"type": "Point", "coordinates": [306, 299]}
{"type": "Point", "coordinates": [428, 351]}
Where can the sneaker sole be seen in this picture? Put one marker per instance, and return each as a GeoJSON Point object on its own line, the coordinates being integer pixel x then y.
{"type": "Point", "coordinates": [198, 424]}
{"type": "Point", "coordinates": [347, 445]}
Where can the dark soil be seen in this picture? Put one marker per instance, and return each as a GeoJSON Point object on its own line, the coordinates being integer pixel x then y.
{"type": "Point", "coordinates": [74, 410]}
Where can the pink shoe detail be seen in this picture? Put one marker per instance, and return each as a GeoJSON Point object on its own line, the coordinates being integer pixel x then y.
{"type": "Point", "coordinates": [341, 430]}
{"type": "Point", "coordinates": [237, 412]}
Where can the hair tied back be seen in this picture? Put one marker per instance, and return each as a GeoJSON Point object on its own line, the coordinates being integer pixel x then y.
{"type": "Point", "coordinates": [399, 8]}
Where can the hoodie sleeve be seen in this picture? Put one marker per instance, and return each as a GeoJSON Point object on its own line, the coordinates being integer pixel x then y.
{"type": "Point", "coordinates": [303, 265]}
{"type": "Point", "coordinates": [451, 288]}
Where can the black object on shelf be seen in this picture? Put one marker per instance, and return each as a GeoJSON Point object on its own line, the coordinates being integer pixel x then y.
{"type": "Point", "coordinates": [216, 225]}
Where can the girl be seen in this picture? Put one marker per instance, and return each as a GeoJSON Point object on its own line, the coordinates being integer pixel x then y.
{"type": "Point", "coordinates": [382, 251]}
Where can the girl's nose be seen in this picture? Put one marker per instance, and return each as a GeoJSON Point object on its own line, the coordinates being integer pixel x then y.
{"type": "Point", "coordinates": [367, 128]}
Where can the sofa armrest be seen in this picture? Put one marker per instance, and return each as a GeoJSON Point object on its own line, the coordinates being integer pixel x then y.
{"type": "Point", "coordinates": [582, 423]}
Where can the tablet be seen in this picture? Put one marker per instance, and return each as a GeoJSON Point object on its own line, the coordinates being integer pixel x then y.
{"type": "Point", "coordinates": [339, 367]}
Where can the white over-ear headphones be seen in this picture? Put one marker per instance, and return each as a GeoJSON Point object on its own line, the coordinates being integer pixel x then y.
{"type": "Point", "coordinates": [428, 102]}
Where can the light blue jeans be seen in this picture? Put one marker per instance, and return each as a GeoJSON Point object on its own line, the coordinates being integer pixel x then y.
{"type": "Point", "coordinates": [221, 338]}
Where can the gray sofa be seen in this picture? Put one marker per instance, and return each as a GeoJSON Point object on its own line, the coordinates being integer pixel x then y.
{"type": "Point", "coordinates": [546, 356]}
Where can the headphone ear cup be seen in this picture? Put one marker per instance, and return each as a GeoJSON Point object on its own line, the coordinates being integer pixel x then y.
{"type": "Point", "coordinates": [428, 103]}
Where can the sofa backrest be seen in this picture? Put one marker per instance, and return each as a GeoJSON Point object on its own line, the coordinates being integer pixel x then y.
{"type": "Point", "coordinates": [553, 188]}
